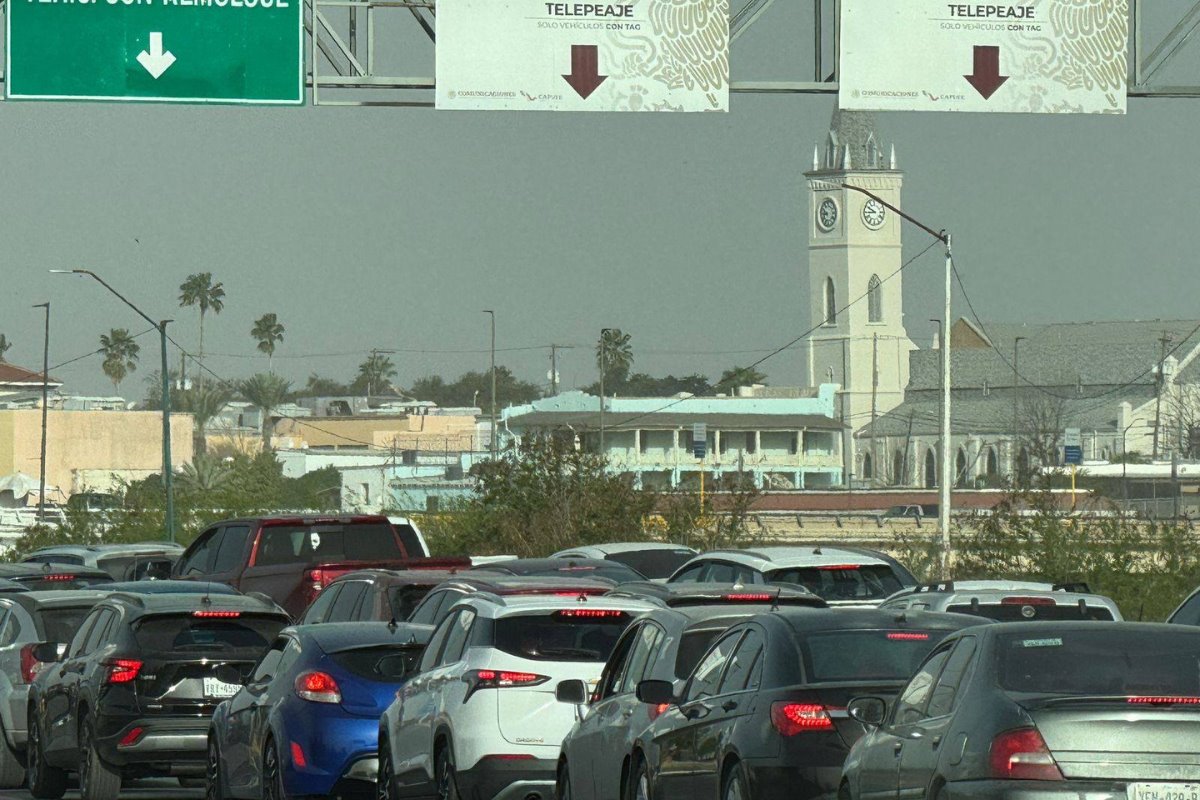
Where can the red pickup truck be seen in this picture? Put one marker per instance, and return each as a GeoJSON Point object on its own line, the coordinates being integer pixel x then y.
{"type": "Point", "coordinates": [291, 559]}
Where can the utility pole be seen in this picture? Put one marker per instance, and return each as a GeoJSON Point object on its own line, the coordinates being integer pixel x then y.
{"type": "Point", "coordinates": [492, 314]}
{"type": "Point", "coordinates": [1162, 361]}
{"type": "Point", "coordinates": [45, 412]}
{"type": "Point", "coordinates": [554, 348]}
{"type": "Point", "coordinates": [1016, 393]}
{"type": "Point", "coordinates": [874, 404]}
{"type": "Point", "coordinates": [603, 369]}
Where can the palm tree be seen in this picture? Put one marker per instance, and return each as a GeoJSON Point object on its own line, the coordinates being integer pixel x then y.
{"type": "Point", "coordinates": [199, 290]}
{"type": "Point", "coordinates": [374, 373]}
{"type": "Point", "coordinates": [266, 392]}
{"type": "Point", "coordinates": [740, 376]}
{"type": "Point", "coordinates": [205, 474]}
{"type": "Point", "coordinates": [614, 356]}
{"type": "Point", "coordinates": [5, 346]}
{"type": "Point", "coordinates": [204, 403]}
{"type": "Point", "coordinates": [268, 330]}
{"type": "Point", "coordinates": [120, 355]}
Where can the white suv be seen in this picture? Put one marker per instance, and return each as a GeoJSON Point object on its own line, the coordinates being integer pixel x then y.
{"type": "Point", "coordinates": [839, 574]}
{"type": "Point", "coordinates": [480, 720]}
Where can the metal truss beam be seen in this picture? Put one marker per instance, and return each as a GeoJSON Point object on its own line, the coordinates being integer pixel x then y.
{"type": "Point", "coordinates": [380, 52]}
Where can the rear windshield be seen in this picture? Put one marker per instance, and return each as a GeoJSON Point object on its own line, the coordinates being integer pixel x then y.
{"type": "Point", "coordinates": [386, 663]}
{"type": "Point", "coordinates": [410, 540]}
{"type": "Point", "coordinates": [863, 655]}
{"type": "Point", "coordinates": [692, 647]}
{"type": "Point", "coordinates": [61, 624]}
{"type": "Point", "coordinates": [61, 581]}
{"type": "Point", "coordinates": [1105, 662]}
{"type": "Point", "coordinates": [185, 634]}
{"type": "Point", "coordinates": [1026, 613]}
{"type": "Point", "coordinates": [653, 563]}
{"type": "Point", "coordinates": [317, 544]}
{"type": "Point", "coordinates": [136, 568]}
{"type": "Point", "coordinates": [555, 637]}
{"type": "Point", "coordinates": [843, 582]}
{"type": "Point", "coordinates": [405, 599]}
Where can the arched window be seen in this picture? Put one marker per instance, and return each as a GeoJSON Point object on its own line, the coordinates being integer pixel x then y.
{"type": "Point", "coordinates": [868, 467]}
{"type": "Point", "coordinates": [898, 476]}
{"type": "Point", "coordinates": [960, 468]}
{"type": "Point", "coordinates": [930, 469]}
{"type": "Point", "coordinates": [991, 466]}
{"type": "Point", "coordinates": [874, 299]}
{"type": "Point", "coordinates": [830, 302]}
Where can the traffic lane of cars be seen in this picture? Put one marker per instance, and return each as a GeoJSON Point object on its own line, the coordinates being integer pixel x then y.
{"type": "Point", "coordinates": [150, 789]}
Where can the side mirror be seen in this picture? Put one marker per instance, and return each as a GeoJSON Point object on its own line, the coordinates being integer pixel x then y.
{"type": "Point", "coordinates": [870, 711]}
{"type": "Point", "coordinates": [227, 673]}
{"type": "Point", "coordinates": [656, 693]}
{"type": "Point", "coordinates": [572, 691]}
{"type": "Point", "coordinates": [49, 652]}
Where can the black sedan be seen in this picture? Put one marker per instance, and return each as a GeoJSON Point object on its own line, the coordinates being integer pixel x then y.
{"type": "Point", "coordinates": [764, 714]}
{"type": "Point", "coordinates": [1057, 711]}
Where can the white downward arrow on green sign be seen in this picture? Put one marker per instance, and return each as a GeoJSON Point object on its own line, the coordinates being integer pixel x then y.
{"type": "Point", "coordinates": [156, 62]}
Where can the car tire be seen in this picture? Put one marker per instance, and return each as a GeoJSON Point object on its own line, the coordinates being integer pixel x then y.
{"type": "Point", "coordinates": [562, 786]}
{"type": "Point", "coordinates": [272, 774]}
{"type": "Point", "coordinates": [214, 789]}
{"type": "Point", "coordinates": [735, 784]}
{"type": "Point", "coordinates": [639, 782]}
{"type": "Point", "coordinates": [384, 788]}
{"type": "Point", "coordinates": [45, 782]}
{"type": "Point", "coordinates": [97, 780]}
{"type": "Point", "coordinates": [12, 771]}
{"type": "Point", "coordinates": [445, 775]}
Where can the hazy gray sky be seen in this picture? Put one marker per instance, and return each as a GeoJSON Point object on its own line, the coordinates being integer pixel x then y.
{"type": "Point", "coordinates": [392, 228]}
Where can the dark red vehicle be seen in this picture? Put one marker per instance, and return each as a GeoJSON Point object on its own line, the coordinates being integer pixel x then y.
{"type": "Point", "coordinates": [291, 559]}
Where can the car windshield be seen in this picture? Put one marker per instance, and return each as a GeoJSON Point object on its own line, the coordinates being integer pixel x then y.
{"type": "Point", "coordinates": [246, 636]}
{"type": "Point", "coordinates": [317, 544]}
{"type": "Point", "coordinates": [1106, 662]}
{"type": "Point", "coordinates": [61, 624]}
{"type": "Point", "coordinates": [653, 564]}
{"type": "Point", "coordinates": [844, 582]}
{"type": "Point", "coordinates": [1015, 612]}
{"type": "Point", "coordinates": [867, 655]}
{"type": "Point", "coordinates": [560, 636]}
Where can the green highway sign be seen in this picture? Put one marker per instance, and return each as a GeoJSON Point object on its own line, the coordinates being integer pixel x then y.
{"type": "Point", "coordinates": [181, 51]}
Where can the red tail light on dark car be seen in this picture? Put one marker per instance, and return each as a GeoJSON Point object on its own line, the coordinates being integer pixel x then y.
{"type": "Point", "coordinates": [1022, 755]}
{"type": "Point", "coordinates": [318, 687]}
{"type": "Point", "coordinates": [792, 718]}
{"type": "Point", "coordinates": [122, 670]}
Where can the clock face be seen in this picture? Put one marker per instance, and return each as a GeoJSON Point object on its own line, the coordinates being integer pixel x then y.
{"type": "Point", "coordinates": [827, 214]}
{"type": "Point", "coordinates": [873, 214]}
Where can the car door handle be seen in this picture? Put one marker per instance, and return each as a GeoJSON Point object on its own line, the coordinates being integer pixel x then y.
{"type": "Point", "coordinates": [897, 747]}
{"type": "Point", "coordinates": [935, 742]}
{"type": "Point", "coordinates": [627, 713]}
{"type": "Point", "coordinates": [729, 705]}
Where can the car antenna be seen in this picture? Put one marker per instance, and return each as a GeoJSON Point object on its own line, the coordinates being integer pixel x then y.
{"type": "Point", "coordinates": [582, 598]}
{"type": "Point", "coordinates": [775, 602]}
{"type": "Point", "coordinates": [817, 551]}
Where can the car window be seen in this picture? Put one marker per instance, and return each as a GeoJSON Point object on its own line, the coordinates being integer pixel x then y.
{"type": "Point", "coordinates": [231, 549]}
{"type": "Point", "coordinates": [708, 673]}
{"type": "Point", "coordinates": [268, 666]}
{"type": "Point", "coordinates": [642, 648]}
{"type": "Point", "coordinates": [691, 574]}
{"type": "Point", "coordinates": [745, 664]}
{"type": "Point", "coordinates": [99, 634]}
{"type": "Point", "coordinates": [81, 637]}
{"type": "Point", "coordinates": [9, 627]}
{"type": "Point", "coordinates": [1189, 612]}
{"type": "Point", "coordinates": [288, 659]}
{"type": "Point", "coordinates": [347, 601]}
{"type": "Point", "coordinates": [427, 612]}
{"type": "Point", "coordinates": [910, 707]}
{"type": "Point", "coordinates": [721, 572]}
{"type": "Point", "coordinates": [368, 609]}
{"type": "Point", "coordinates": [456, 641]}
{"type": "Point", "coordinates": [614, 670]}
{"type": "Point", "coordinates": [434, 649]}
{"type": "Point", "coordinates": [319, 610]}
{"type": "Point", "coordinates": [941, 701]}
{"type": "Point", "coordinates": [197, 561]}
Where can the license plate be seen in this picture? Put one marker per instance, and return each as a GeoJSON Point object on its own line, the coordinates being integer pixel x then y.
{"type": "Point", "coordinates": [220, 689]}
{"type": "Point", "coordinates": [1163, 791]}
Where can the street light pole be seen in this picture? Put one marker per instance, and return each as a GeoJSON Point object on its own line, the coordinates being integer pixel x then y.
{"type": "Point", "coordinates": [492, 314]}
{"type": "Point", "coordinates": [45, 411]}
{"type": "Point", "coordinates": [603, 368]}
{"type": "Point", "coordinates": [1016, 387]}
{"type": "Point", "coordinates": [947, 330]}
{"type": "Point", "coordinates": [161, 326]}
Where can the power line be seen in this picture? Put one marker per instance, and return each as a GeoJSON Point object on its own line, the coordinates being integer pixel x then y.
{"type": "Point", "coordinates": [97, 352]}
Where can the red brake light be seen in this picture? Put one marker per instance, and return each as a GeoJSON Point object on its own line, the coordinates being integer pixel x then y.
{"type": "Point", "coordinates": [748, 598]}
{"type": "Point", "coordinates": [1165, 701]}
{"type": "Point", "coordinates": [509, 757]}
{"type": "Point", "coordinates": [131, 738]}
{"type": "Point", "coordinates": [298, 759]}
{"type": "Point", "coordinates": [1027, 601]}
{"type": "Point", "coordinates": [499, 679]}
{"type": "Point", "coordinates": [1022, 755]}
{"type": "Point", "coordinates": [58, 578]}
{"type": "Point", "coordinates": [123, 670]}
{"type": "Point", "coordinates": [833, 567]}
{"type": "Point", "coordinates": [905, 636]}
{"type": "Point", "coordinates": [30, 666]}
{"type": "Point", "coordinates": [590, 613]}
{"type": "Point", "coordinates": [793, 718]}
{"type": "Point", "coordinates": [217, 614]}
{"type": "Point", "coordinates": [318, 687]}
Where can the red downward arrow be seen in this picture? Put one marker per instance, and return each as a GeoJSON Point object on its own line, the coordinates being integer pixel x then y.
{"type": "Point", "coordinates": [585, 75]}
{"type": "Point", "coordinates": [987, 78]}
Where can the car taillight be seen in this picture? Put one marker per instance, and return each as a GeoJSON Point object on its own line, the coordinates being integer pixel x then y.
{"type": "Point", "coordinates": [839, 567]}
{"type": "Point", "coordinates": [792, 718]}
{"type": "Point", "coordinates": [133, 737]}
{"type": "Point", "coordinates": [217, 614]}
{"type": "Point", "coordinates": [318, 687]}
{"type": "Point", "coordinates": [1027, 601]}
{"type": "Point", "coordinates": [658, 710]}
{"type": "Point", "coordinates": [1164, 701]}
{"type": "Point", "coordinates": [499, 679]}
{"type": "Point", "coordinates": [907, 636]}
{"type": "Point", "coordinates": [590, 613]}
{"type": "Point", "coordinates": [122, 670]}
{"type": "Point", "coordinates": [30, 666]}
{"type": "Point", "coordinates": [1022, 755]}
{"type": "Point", "coordinates": [748, 598]}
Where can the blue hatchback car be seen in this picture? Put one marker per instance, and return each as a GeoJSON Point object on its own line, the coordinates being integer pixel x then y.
{"type": "Point", "coordinates": [306, 722]}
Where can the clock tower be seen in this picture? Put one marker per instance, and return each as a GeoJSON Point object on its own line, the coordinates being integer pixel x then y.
{"type": "Point", "coordinates": [855, 288]}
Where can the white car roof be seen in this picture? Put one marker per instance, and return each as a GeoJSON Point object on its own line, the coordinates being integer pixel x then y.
{"type": "Point", "coordinates": [609, 548]}
{"type": "Point", "coordinates": [782, 557]}
{"type": "Point", "coordinates": [526, 604]}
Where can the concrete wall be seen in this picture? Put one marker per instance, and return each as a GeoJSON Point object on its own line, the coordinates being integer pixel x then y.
{"type": "Point", "coordinates": [418, 432]}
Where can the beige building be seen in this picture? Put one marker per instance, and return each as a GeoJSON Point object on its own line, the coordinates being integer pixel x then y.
{"type": "Point", "coordinates": [436, 433]}
{"type": "Point", "coordinates": [90, 450]}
